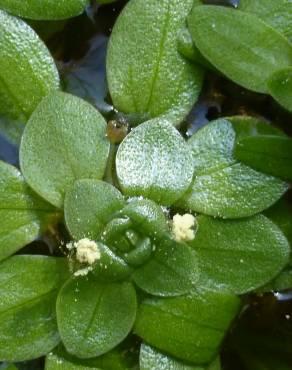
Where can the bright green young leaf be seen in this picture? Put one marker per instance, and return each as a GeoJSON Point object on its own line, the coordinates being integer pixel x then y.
{"type": "Point", "coordinates": [29, 286]}
{"type": "Point", "coordinates": [190, 328]}
{"type": "Point", "coordinates": [64, 141]}
{"type": "Point", "coordinates": [280, 86]}
{"type": "Point", "coordinates": [54, 361]}
{"type": "Point", "coordinates": [151, 359]}
{"type": "Point", "coordinates": [171, 271]}
{"type": "Point", "coordinates": [266, 153]}
{"type": "Point", "coordinates": [154, 161]}
{"type": "Point", "coordinates": [239, 45]}
{"type": "Point", "coordinates": [23, 214]}
{"type": "Point", "coordinates": [89, 206]}
{"type": "Point", "coordinates": [27, 70]}
{"type": "Point", "coordinates": [46, 9]}
{"type": "Point", "coordinates": [223, 187]}
{"type": "Point", "coordinates": [93, 317]}
{"type": "Point", "coordinates": [239, 255]}
{"type": "Point", "coordinates": [146, 73]}
{"type": "Point", "coordinates": [277, 14]}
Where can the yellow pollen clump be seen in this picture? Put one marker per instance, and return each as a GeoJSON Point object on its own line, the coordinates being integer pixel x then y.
{"type": "Point", "coordinates": [183, 227]}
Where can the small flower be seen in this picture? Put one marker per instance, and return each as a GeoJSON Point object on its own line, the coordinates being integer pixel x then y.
{"type": "Point", "coordinates": [183, 227]}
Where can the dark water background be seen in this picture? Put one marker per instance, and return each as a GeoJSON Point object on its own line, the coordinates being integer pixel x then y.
{"type": "Point", "coordinates": [79, 47]}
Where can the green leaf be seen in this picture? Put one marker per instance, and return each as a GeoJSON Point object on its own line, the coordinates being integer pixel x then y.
{"type": "Point", "coordinates": [239, 255]}
{"type": "Point", "coordinates": [56, 362]}
{"type": "Point", "coordinates": [268, 154]}
{"type": "Point", "coordinates": [63, 141]}
{"type": "Point", "coordinates": [29, 286]}
{"type": "Point", "coordinates": [145, 71]}
{"type": "Point", "coordinates": [171, 271]}
{"type": "Point", "coordinates": [278, 14]}
{"type": "Point", "coordinates": [23, 214]}
{"type": "Point", "coordinates": [280, 86]}
{"type": "Point", "coordinates": [93, 317]}
{"type": "Point", "coordinates": [151, 359]}
{"type": "Point", "coordinates": [222, 187]}
{"type": "Point", "coordinates": [154, 161]}
{"type": "Point", "coordinates": [239, 45]}
{"type": "Point", "coordinates": [89, 206]}
{"type": "Point", "coordinates": [44, 10]}
{"type": "Point", "coordinates": [190, 328]}
{"type": "Point", "coordinates": [27, 70]}
{"type": "Point", "coordinates": [8, 367]}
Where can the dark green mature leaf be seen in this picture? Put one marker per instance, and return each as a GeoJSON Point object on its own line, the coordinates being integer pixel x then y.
{"type": "Point", "coordinates": [94, 317]}
{"type": "Point", "coordinates": [268, 154]}
{"type": "Point", "coordinates": [27, 70]}
{"type": "Point", "coordinates": [239, 255]}
{"type": "Point", "coordinates": [280, 86]}
{"type": "Point", "coordinates": [63, 141]}
{"type": "Point", "coordinates": [239, 44]}
{"type": "Point", "coordinates": [277, 14]}
{"type": "Point", "coordinates": [89, 205]}
{"type": "Point", "coordinates": [151, 359]}
{"type": "Point", "coordinates": [190, 328]}
{"type": "Point", "coordinates": [23, 214]}
{"type": "Point", "coordinates": [223, 187]}
{"type": "Point", "coordinates": [171, 271]}
{"type": "Point", "coordinates": [145, 71]}
{"type": "Point", "coordinates": [29, 286]}
{"type": "Point", "coordinates": [154, 161]}
{"type": "Point", "coordinates": [46, 9]}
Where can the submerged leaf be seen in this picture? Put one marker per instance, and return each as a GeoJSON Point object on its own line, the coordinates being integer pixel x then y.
{"type": "Point", "coordinates": [280, 87]}
{"type": "Point", "coordinates": [146, 73]}
{"type": "Point", "coordinates": [28, 327]}
{"type": "Point", "coordinates": [239, 45]}
{"type": "Point", "coordinates": [46, 9]}
{"type": "Point", "coordinates": [190, 328]}
{"type": "Point", "coordinates": [63, 141]}
{"type": "Point", "coordinates": [239, 255]}
{"type": "Point", "coordinates": [27, 70]}
{"type": "Point", "coordinates": [93, 317]}
{"type": "Point", "coordinates": [154, 161]}
{"type": "Point", "coordinates": [23, 213]}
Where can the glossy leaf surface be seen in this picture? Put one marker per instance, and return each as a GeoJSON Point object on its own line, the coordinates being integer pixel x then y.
{"type": "Point", "coordinates": [239, 45]}
{"type": "Point", "coordinates": [28, 327]}
{"type": "Point", "coordinates": [154, 161]}
{"type": "Point", "coordinates": [63, 141]}
{"type": "Point", "coordinates": [93, 317]}
{"type": "Point", "coordinates": [23, 213]}
{"type": "Point", "coordinates": [222, 186]}
{"type": "Point", "coordinates": [46, 9]}
{"type": "Point", "coordinates": [89, 206]}
{"type": "Point", "coordinates": [152, 359]}
{"type": "Point", "coordinates": [268, 154]}
{"type": "Point", "coordinates": [27, 70]}
{"type": "Point", "coordinates": [189, 328]}
{"type": "Point", "coordinates": [239, 255]}
{"type": "Point", "coordinates": [280, 87]}
{"type": "Point", "coordinates": [145, 71]}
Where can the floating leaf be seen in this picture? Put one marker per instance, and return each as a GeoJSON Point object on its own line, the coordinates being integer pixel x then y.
{"type": "Point", "coordinates": [27, 70]}
{"type": "Point", "coordinates": [239, 255]}
{"type": "Point", "coordinates": [63, 141]}
{"type": "Point", "coordinates": [23, 214]}
{"type": "Point", "coordinates": [89, 206]}
{"type": "Point", "coordinates": [151, 359]}
{"type": "Point", "coordinates": [154, 161]}
{"type": "Point", "coordinates": [94, 317]}
{"type": "Point", "coordinates": [280, 86]}
{"type": "Point", "coordinates": [223, 187]}
{"type": "Point", "coordinates": [268, 154]}
{"type": "Point", "coordinates": [44, 10]}
{"type": "Point", "coordinates": [145, 71]}
{"type": "Point", "coordinates": [171, 271]}
{"type": "Point", "coordinates": [190, 328]}
{"type": "Point", "coordinates": [277, 14]}
{"type": "Point", "coordinates": [28, 327]}
{"type": "Point", "coordinates": [239, 45]}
